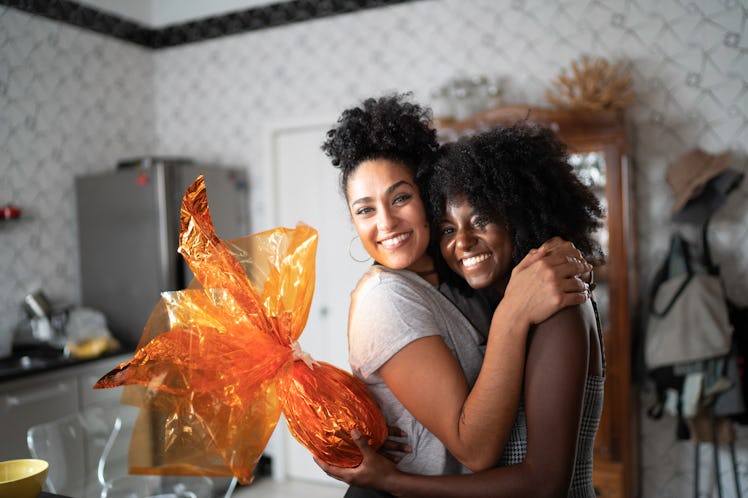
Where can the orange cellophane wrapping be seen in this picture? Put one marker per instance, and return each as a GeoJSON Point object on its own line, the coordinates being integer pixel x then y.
{"type": "Point", "coordinates": [321, 405]}
{"type": "Point", "coordinates": [219, 361]}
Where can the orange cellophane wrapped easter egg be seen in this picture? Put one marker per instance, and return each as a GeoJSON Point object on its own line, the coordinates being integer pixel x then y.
{"type": "Point", "coordinates": [218, 362]}
{"type": "Point", "coordinates": [322, 404]}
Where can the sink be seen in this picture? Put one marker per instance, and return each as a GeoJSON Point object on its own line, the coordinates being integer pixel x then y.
{"type": "Point", "coordinates": [29, 362]}
{"type": "Point", "coordinates": [31, 358]}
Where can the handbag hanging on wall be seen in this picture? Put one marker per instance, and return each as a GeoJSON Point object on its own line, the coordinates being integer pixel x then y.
{"type": "Point", "coordinates": [688, 314]}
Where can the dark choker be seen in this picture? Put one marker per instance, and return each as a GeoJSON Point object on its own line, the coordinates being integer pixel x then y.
{"type": "Point", "coordinates": [425, 273]}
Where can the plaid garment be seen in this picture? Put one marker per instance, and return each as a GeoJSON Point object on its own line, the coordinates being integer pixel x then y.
{"type": "Point", "coordinates": [581, 483]}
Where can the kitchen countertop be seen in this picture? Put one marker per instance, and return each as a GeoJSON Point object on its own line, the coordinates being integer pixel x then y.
{"type": "Point", "coordinates": [31, 360]}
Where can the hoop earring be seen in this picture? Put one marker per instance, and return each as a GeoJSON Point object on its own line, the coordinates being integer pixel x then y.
{"type": "Point", "coordinates": [350, 253]}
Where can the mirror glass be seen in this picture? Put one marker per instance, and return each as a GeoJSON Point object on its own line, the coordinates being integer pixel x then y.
{"type": "Point", "coordinates": [590, 167]}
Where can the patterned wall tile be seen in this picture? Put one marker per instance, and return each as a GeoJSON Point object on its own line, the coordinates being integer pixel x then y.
{"type": "Point", "coordinates": [73, 102]}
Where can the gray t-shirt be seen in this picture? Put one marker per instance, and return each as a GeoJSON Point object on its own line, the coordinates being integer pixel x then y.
{"type": "Point", "coordinates": [389, 310]}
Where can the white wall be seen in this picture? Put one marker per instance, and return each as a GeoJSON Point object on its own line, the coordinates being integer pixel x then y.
{"type": "Point", "coordinates": [160, 13]}
{"type": "Point", "coordinates": [71, 102]}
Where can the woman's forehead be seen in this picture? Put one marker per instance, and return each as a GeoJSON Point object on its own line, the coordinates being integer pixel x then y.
{"type": "Point", "coordinates": [378, 173]}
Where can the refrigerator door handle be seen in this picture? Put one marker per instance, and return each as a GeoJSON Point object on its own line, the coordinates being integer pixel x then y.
{"type": "Point", "coordinates": [165, 258]}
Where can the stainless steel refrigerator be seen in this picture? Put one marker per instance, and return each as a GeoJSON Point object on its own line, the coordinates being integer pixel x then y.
{"type": "Point", "coordinates": [128, 229]}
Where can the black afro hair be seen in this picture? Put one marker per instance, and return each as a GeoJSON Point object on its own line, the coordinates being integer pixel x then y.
{"type": "Point", "coordinates": [518, 176]}
{"type": "Point", "coordinates": [389, 127]}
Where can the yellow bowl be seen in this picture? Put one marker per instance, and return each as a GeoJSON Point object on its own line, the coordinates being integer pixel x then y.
{"type": "Point", "coordinates": [22, 478]}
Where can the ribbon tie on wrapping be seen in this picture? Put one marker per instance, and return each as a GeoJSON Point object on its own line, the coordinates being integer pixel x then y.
{"type": "Point", "coordinates": [218, 362]}
{"type": "Point", "coordinates": [300, 354]}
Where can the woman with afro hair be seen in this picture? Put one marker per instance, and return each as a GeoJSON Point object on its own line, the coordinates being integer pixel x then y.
{"type": "Point", "coordinates": [419, 355]}
{"type": "Point", "coordinates": [493, 197]}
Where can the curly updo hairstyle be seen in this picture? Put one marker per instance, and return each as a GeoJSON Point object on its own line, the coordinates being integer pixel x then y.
{"type": "Point", "coordinates": [517, 176]}
{"type": "Point", "coordinates": [389, 127]}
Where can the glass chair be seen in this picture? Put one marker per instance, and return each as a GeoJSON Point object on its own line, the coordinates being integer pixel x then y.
{"type": "Point", "coordinates": [87, 455]}
{"type": "Point", "coordinates": [73, 446]}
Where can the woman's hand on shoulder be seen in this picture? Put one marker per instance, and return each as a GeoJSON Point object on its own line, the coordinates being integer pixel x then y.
{"type": "Point", "coordinates": [375, 471]}
{"type": "Point", "coordinates": [548, 279]}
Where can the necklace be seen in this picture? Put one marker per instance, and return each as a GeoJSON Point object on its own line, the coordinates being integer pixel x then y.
{"type": "Point", "coordinates": [425, 273]}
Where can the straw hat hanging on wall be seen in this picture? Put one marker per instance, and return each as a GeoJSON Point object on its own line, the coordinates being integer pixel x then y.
{"type": "Point", "coordinates": [689, 173]}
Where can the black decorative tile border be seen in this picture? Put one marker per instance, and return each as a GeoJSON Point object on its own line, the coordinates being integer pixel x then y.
{"type": "Point", "coordinates": [269, 16]}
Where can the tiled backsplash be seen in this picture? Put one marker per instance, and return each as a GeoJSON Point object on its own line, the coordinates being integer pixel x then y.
{"type": "Point", "coordinates": [71, 102]}
{"type": "Point", "coordinates": [74, 102]}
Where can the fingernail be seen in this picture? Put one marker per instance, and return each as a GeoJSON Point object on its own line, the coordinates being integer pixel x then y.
{"type": "Point", "coordinates": [355, 433]}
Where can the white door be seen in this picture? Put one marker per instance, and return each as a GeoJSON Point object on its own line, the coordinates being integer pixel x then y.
{"type": "Point", "coordinates": [306, 190]}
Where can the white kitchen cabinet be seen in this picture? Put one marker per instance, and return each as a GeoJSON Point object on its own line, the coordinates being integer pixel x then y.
{"type": "Point", "coordinates": [46, 396]}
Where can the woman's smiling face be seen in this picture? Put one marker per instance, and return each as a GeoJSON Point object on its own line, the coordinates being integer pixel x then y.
{"type": "Point", "coordinates": [388, 214]}
{"type": "Point", "coordinates": [476, 248]}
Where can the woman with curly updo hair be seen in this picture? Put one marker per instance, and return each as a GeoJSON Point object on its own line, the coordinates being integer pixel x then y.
{"type": "Point", "coordinates": [419, 355]}
{"type": "Point", "coordinates": [493, 197]}
{"type": "Point", "coordinates": [386, 128]}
